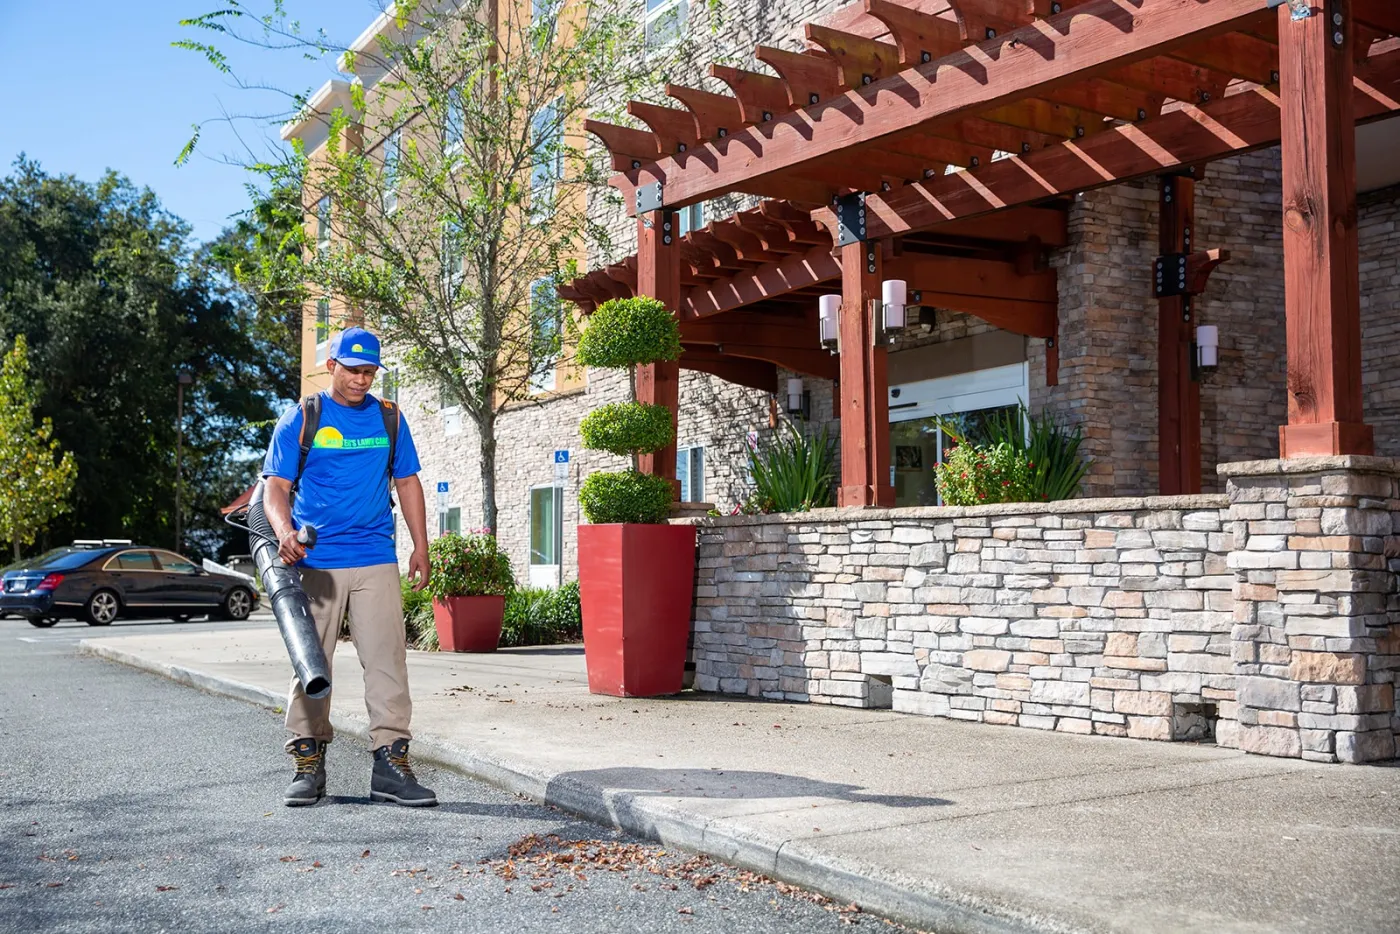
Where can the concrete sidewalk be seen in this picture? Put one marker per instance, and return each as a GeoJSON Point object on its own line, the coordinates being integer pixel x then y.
{"type": "Point", "coordinates": [947, 826]}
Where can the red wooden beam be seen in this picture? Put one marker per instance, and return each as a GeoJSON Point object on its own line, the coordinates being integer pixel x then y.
{"type": "Point", "coordinates": [807, 361]}
{"type": "Point", "coordinates": [1178, 393]}
{"type": "Point", "coordinates": [787, 275]}
{"type": "Point", "coordinates": [760, 96]}
{"type": "Point", "coordinates": [659, 275]}
{"type": "Point", "coordinates": [864, 382]}
{"type": "Point", "coordinates": [755, 374]}
{"type": "Point", "coordinates": [1075, 44]}
{"type": "Point", "coordinates": [1320, 261]}
{"type": "Point", "coordinates": [1237, 123]}
{"type": "Point", "coordinates": [716, 115]}
{"type": "Point", "coordinates": [1381, 15]}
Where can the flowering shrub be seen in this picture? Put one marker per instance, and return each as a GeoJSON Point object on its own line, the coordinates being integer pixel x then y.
{"type": "Point", "coordinates": [469, 565]}
{"type": "Point", "coordinates": [979, 475]}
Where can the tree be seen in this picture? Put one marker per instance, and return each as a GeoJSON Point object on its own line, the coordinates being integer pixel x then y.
{"type": "Point", "coordinates": [113, 303]}
{"type": "Point", "coordinates": [36, 474]}
{"type": "Point", "coordinates": [458, 194]}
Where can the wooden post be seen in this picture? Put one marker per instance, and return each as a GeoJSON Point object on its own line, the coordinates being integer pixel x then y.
{"type": "Point", "coordinates": [659, 276]}
{"type": "Point", "coordinates": [1321, 267]}
{"type": "Point", "coordinates": [864, 383]}
{"type": "Point", "coordinates": [1178, 394]}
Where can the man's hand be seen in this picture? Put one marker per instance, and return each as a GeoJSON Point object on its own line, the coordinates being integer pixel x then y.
{"type": "Point", "coordinates": [418, 568]}
{"type": "Point", "coordinates": [290, 550]}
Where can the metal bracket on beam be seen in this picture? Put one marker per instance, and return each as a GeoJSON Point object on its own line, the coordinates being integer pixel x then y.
{"type": "Point", "coordinates": [649, 197]}
{"type": "Point", "coordinates": [1302, 9]}
{"type": "Point", "coordinates": [1170, 278]}
{"type": "Point", "coordinates": [850, 219]}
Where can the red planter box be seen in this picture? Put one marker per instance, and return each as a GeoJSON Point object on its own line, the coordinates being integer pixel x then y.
{"type": "Point", "coordinates": [469, 624]}
{"type": "Point", "coordinates": [636, 584]}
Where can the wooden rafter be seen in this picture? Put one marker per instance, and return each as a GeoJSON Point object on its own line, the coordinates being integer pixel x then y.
{"type": "Point", "coordinates": [1014, 76]}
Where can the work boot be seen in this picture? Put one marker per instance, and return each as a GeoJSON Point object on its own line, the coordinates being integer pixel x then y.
{"type": "Point", "coordinates": [393, 778]}
{"type": "Point", "coordinates": [309, 783]}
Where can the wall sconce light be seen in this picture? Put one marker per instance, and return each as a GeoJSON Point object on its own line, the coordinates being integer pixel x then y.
{"type": "Point", "coordinates": [829, 319]}
{"type": "Point", "coordinates": [1208, 345]}
{"type": "Point", "coordinates": [895, 297]}
{"type": "Point", "coordinates": [799, 400]}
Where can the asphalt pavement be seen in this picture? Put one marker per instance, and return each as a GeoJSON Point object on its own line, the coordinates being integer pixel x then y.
{"type": "Point", "coordinates": [135, 804]}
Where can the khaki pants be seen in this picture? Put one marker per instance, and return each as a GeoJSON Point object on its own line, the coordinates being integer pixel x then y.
{"type": "Point", "coordinates": [376, 627]}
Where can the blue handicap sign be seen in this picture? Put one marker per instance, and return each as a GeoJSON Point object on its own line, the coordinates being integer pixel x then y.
{"type": "Point", "coordinates": [561, 457]}
{"type": "Point", "coordinates": [442, 486]}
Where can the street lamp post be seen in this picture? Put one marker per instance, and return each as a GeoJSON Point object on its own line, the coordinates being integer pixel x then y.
{"type": "Point", "coordinates": [184, 379]}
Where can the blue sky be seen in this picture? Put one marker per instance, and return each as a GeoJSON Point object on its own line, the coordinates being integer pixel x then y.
{"type": "Point", "coordinates": [97, 85]}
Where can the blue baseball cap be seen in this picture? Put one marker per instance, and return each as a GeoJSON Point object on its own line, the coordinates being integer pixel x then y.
{"type": "Point", "coordinates": [355, 347]}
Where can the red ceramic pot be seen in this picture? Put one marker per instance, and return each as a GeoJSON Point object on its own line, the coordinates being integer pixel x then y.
{"type": "Point", "coordinates": [636, 586]}
{"type": "Point", "coordinates": [469, 624]}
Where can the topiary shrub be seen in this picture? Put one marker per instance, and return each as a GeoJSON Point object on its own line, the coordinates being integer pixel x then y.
{"type": "Point", "coordinates": [621, 427]}
{"type": "Point", "coordinates": [469, 565]}
{"type": "Point", "coordinates": [627, 496]}
{"type": "Point", "coordinates": [625, 334]}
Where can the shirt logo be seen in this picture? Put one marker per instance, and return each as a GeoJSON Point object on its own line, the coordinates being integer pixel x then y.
{"type": "Point", "coordinates": [329, 437]}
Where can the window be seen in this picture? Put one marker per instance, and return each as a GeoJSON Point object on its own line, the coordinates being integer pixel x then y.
{"type": "Point", "coordinates": [389, 385]}
{"type": "Point", "coordinates": [450, 407]}
{"type": "Point", "coordinates": [323, 329]}
{"type": "Point", "coordinates": [454, 128]}
{"type": "Point", "coordinates": [690, 471]}
{"type": "Point", "coordinates": [393, 150]}
{"type": "Point", "coordinates": [450, 521]}
{"type": "Point", "coordinates": [542, 527]}
{"type": "Point", "coordinates": [548, 167]}
{"type": "Point", "coordinates": [665, 21]}
{"type": "Point", "coordinates": [135, 561]}
{"type": "Point", "coordinates": [452, 255]}
{"type": "Point", "coordinates": [690, 218]}
{"type": "Point", "coordinates": [176, 564]}
{"type": "Point", "coordinates": [323, 225]}
{"type": "Point", "coordinates": [545, 12]}
{"type": "Point", "coordinates": [546, 326]}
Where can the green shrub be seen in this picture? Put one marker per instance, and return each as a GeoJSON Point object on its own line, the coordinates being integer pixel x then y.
{"type": "Point", "coordinates": [419, 631]}
{"type": "Point", "coordinates": [468, 565]}
{"type": "Point", "coordinates": [542, 616]}
{"type": "Point", "coordinates": [795, 473]}
{"type": "Point", "coordinates": [627, 496]}
{"type": "Point", "coordinates": [624, 427]}
{"type": "Point", "coordinates": [1052, 451]}
{"type": "Point", "coordinates": [626, 332]}
{"type": "Point", "coordinates": [978, 475]}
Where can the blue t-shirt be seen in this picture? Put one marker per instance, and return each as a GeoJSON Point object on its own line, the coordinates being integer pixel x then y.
{"type": "Point", "coordinates": [344, 490]}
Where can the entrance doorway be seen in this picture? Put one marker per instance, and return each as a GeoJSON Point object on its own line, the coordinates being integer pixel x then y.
{"type": "Point", "coordinates": [918, 443]}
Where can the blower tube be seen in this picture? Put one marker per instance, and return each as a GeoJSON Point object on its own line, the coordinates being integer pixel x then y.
{"type": "Point", "coordinates": [289, 602]}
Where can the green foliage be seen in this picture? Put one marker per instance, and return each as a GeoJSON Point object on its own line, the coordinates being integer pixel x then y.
{"type": "Point", "coordinates": [627, 332]}
{"type": "Point", "coordinates": [795, 473]}
{"type": "Point", "coordinates": [981, 475]}
{"type": "Point", "coordinates": [36, 475]}
{"type": "Point", "coordinates": [419, 631]}
{"type": "Point", "coordinates": [628, 496]}
{"type": "Point", "coordinates": [542, 616]}
{"type": "Point", "coordinates": [622, 428]}
{"type": "Point", "coordinates": [1051, 450]}
{"type": "Point", "coordinates": [113, 302]}
{"type": "Point", "coordinates": [469, 565]}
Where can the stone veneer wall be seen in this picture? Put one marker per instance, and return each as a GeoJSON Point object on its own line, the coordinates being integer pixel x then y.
{"type": "Point", "coordinates": [1267, 619]}
{"type": "Point", "coordinates": [1378, 221]}
{"type": "Point", "coordinates": [1108, 617]}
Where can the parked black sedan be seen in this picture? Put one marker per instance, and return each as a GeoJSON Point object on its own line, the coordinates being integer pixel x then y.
{"type": "Point", "coordinates": [100, 584]}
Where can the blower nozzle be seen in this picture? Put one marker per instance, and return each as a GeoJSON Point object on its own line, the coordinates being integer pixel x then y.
{"type": "Point", "coordinates": [290, 605]}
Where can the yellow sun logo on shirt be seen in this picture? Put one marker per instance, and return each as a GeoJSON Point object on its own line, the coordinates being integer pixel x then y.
{"type": "Point", "coordinates": [328, 437]}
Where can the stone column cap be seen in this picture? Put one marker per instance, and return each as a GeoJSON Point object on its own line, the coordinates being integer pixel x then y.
{"type": "Point", "coordinates": [1292, 466]}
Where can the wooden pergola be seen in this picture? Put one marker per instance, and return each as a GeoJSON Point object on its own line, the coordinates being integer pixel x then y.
{"type": "Point", "coordinates": [936, 140]}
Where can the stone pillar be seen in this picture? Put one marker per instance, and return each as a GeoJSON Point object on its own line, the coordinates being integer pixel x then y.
{"type": "Point", "coordinates": [1316, 640]}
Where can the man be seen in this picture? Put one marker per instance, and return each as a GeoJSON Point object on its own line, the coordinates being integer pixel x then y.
{"type": "Point", "coordinates": [343, 491]}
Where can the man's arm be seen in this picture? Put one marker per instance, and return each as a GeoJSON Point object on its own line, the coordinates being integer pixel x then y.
{"type": "Point", "coordinates": [415, 513]}
{"type": "Point", "coordinates": [277, 503]}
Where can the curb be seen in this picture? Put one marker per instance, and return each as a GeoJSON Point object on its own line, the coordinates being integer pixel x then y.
{"type": "Point", "coordinates": [908, 901]}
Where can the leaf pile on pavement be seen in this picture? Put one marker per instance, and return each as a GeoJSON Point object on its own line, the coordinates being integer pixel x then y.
{"type": "Point", "coordinates": [540, 860]}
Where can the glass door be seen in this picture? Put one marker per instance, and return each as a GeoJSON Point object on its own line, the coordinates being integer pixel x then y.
{"type": "Point", "coordinates": [965, 402]}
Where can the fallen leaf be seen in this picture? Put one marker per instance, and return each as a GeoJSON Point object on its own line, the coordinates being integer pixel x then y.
{"type": "Point", "coordinates": [166, 888]}
{"type": "Point", "coordinates": [364, 854]}
{"type": "Point", "coordinates": [684, 911]}
{"type": "Point", "coordinates": [460, 897]}
{"type": "Point", "coordinates": [427, 907]}
{"type": "Point", "coordinates": [275, 908]}
{"type": "Point", "coordinates": [317, 864]}
{"type": "Point", "coordinates": [8, 885]}
{"type": "Point", "coordinates": [53, 885]}
{"type": "Point", "coordinates": [288, 859]}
